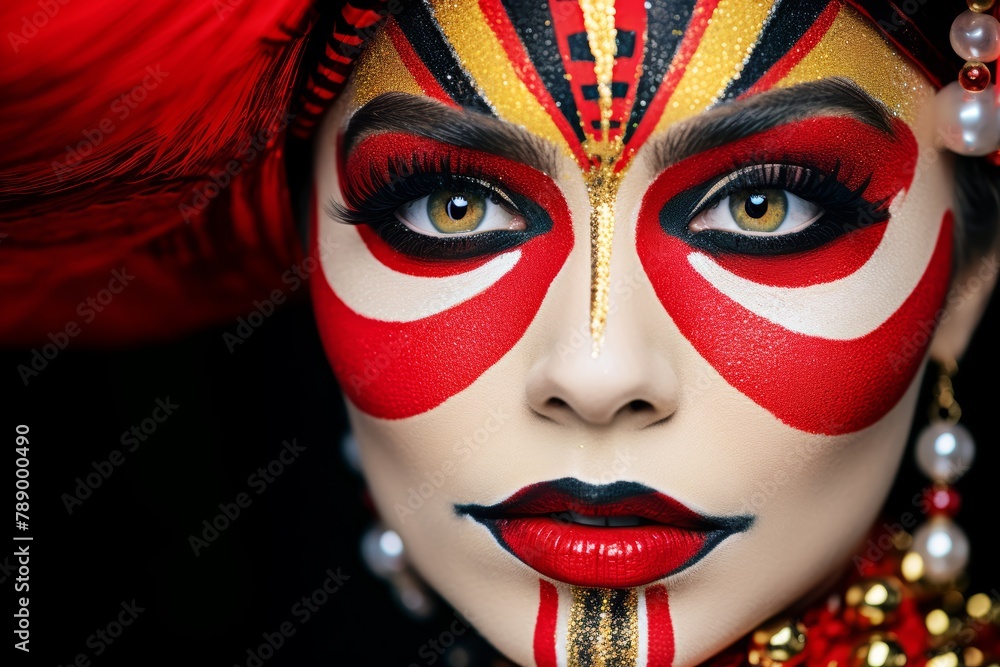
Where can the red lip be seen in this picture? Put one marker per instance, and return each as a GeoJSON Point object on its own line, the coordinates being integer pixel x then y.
{"type": "Point", "coordinates": [536, 526]}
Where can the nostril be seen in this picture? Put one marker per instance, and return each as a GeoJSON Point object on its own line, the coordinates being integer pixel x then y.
{"type": "Point", "coordinates": [556, 403]}
{"type": "Point", "coordinates": [641, 406]}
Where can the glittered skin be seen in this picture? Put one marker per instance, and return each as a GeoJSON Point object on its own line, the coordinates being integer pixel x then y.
{"type": "Point", "coordinates": [810, 337]}
{"type": "Point", "coordinates": [604, 627]}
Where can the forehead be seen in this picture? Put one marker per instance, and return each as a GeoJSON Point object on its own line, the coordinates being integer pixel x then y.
{"type": "Point", "coordinates": [537, 63]}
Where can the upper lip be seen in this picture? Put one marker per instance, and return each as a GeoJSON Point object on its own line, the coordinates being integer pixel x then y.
{"type": "Point", "coordinates": [618, 499]}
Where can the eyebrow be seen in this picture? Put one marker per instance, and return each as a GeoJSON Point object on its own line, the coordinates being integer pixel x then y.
{"type": "Point", "coordinates": [835, 96]}
{"type": "Point", "coordinates": [423, 117]}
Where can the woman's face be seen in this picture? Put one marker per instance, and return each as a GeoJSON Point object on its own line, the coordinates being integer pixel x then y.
{"type": "Point", "coordinates": [632, 321]}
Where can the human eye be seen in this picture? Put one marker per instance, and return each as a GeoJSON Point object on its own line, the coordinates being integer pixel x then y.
{"type": "Point", "coordinates": [776, 208]}
{"type": "Point", "coordinates": [429, 201]}
{"type": "Point", "coordinates": [472, 208]}
{"type": "Point", "coordinates": [754, 208]}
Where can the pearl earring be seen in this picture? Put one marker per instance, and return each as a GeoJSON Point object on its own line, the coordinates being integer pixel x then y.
{"type": "Point", "coordinates": [384, 554]}
{"type": "Point", "coordinates": [945, 451]}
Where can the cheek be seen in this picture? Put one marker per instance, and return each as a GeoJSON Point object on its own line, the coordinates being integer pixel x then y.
{"type": "Point", "coordinates": [823, 356]}
{"type": "Point", "coordinates": [403, 336]}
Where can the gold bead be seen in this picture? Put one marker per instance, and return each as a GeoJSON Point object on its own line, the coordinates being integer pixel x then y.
{"type": "Point", "coordinates": [872, 602]}
{"type": "Point", "coordinates": [937, 622]}
{"type": "Point", "coordinates": [979, 606]}
{"type": "Point", "coordinates": [777, 643]}
{"type": "Point", "coordinates": [980, 5]}
{"type": "Point", "coordinates": [946, 659]}
{"type": "Point", "coordinates": [912, 566]}
{"type": "Point", "coordinates": [879, 651]}
{"type": "Point", "coordinates": [973, 657]}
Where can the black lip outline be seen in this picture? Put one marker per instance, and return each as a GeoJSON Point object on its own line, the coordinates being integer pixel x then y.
{"type": "Point", "coordinates": [594, 495]}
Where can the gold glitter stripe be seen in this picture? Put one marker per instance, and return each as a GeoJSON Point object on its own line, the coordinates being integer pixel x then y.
{"type": "Point", "coordinates": [728, 41]}
{"type": "Point", "coordinates": [381, 70]}
{"type": "Point", "coordinates": [483, 57]}
{"type": "Point", "coordinates": [602, 181]}
{"type": "Point", "coordinates": [899, 88]}
{"type": "Point", "coordinates": [599, 21]}
{"type": "Point", "coordinates": [603, 628]}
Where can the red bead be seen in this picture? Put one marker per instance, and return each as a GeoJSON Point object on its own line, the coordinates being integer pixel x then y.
{"type": "Point", "coordinates": [974, 77]}
{"type": "Point", "coordinates": [941, 499]}
{"type": "Point", "coordinates": [994, 158]}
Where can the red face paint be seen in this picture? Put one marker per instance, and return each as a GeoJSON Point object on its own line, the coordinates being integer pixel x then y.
{"type": "Point", "coordinates": [814, 384]}
{"type": "Point", "coordinates": [545, 624]}
{"type": "Point", "coordinates": [395, 369]}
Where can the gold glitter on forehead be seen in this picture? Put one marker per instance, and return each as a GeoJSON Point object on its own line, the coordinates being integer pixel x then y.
{"type": "Point", "coordinates": [602, 179]}
{"type": "Point", "coordinates": [851, 48]}
{"type": "Point", "coordinates": [728, 42]}
{"type": "Point", "coordinates": [603, 628]}
{"type": "Point", "coordinates": [381, 70]}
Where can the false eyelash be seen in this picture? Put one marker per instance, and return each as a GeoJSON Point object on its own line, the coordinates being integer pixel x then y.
{"type": "Point", "coordinates": [372, 199]}
{"type": "Point", "coordinates": [842, 207]}
{"type": "Point", "coordinates": [825, 190]}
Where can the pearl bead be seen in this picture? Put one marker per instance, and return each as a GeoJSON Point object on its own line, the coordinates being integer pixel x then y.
{"type": "Point", "coordinates": [943, 547]}
{"type": "Point", "coordinates": [980, 5]}
{"type": "Point", "coordinates": [967, 122]}
{"type": "Point", "coordinates": [945, 451]}
{"type": "Point", "coordinates": [382, 550]}
{"type": "Point", "coordinates": [974, 76]}
{"type": "Point", "coordinates": [976, 36]}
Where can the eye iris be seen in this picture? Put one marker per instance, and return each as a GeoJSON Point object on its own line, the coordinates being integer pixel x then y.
{"type": "Point", "coordinates": [455, 212]}
{"type": "Point", "coordinates": [759, 210]}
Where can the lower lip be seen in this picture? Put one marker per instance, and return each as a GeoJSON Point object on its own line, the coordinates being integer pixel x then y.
{"type": "Point", "coordinates": [602, 557]}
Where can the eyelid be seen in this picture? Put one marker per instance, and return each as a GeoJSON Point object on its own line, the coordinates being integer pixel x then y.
{"type": "Point", "coordinates": [772, 177]}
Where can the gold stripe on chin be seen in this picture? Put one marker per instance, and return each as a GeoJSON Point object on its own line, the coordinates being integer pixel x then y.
{"type": "Point", "coordinates": [603, 628]}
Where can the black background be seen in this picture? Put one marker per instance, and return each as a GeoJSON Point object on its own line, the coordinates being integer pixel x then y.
{"type": "Point", "coordinates": [129, 540]}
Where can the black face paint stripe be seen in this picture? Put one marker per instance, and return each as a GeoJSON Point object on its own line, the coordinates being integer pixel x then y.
{"type": "Point", "coordinates": [533, 23]}
{"type": "Point", "coordinates": [424, 35]}
{"type": "Point", "coordinates": [666, 25]}
{"type": "Point", "coordinates": [789, 22]}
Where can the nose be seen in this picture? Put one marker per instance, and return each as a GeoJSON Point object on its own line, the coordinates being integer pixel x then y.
{"type": "Point", "coordinates": [629, 382]}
